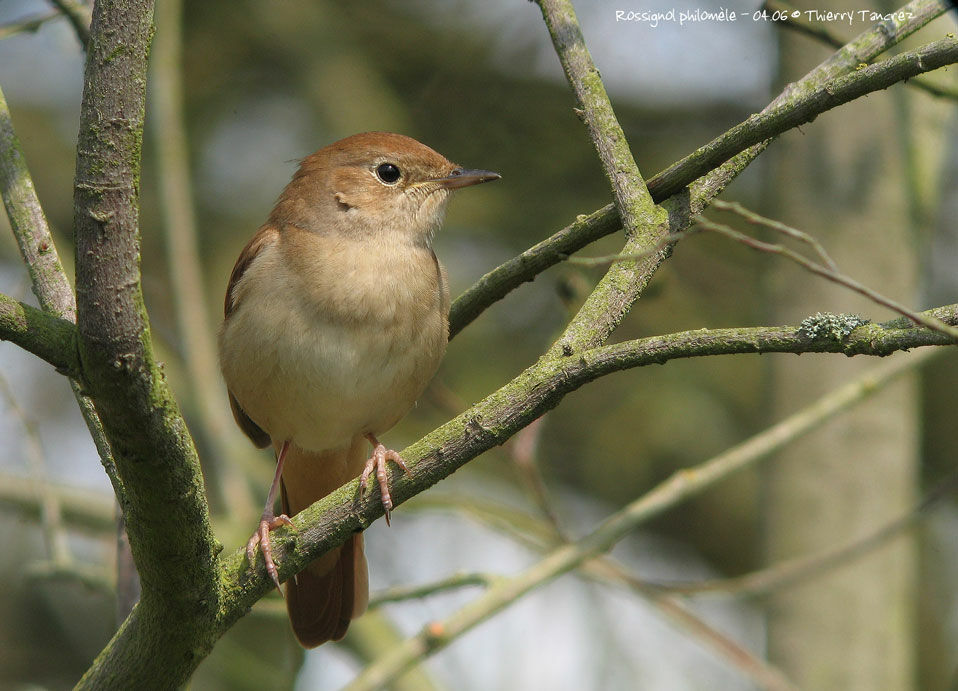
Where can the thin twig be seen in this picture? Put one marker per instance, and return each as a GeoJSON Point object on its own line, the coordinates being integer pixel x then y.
{"type": "Point", "coordinates": [524, 451]}
{"type": "Point", "coordinates": [828, 271]}
{"type": "Point", "coordinates": [791, 571]}
{"type": "Point", "coordinates": [676, 610]}
{"type": "Point", "coordinates": [416, 592]}
{"type": "Point", "coordinates": [778, 226]}
{"type": "Point", "coordinates": [79, 16]}
{"type": "Point", "coordinates": [51, 515]}
{"type": "Point", "coordinates": [823, 271]}
{"type": "Point", "coordinates": [681, 486]}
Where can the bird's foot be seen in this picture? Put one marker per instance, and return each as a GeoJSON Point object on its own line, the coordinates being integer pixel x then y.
{"type": "Point", "coordinates": [377, 464]}
{"type": "Point", "coordinates": [268, 523]}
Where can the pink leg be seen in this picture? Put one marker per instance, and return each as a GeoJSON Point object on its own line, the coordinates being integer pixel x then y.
{"type": "Point", "coordinates": [269, 521]}
{"type": "Point", "coordinates": [377, 463]}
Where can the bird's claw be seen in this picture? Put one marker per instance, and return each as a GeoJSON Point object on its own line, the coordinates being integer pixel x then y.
{"type": "Point", "coordinates": [377, 463]}
{"type": "Point", "coordinates": [260, 539]}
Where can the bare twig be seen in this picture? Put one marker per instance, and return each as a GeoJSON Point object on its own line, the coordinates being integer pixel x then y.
{"type": "Point", "coordinates": [829, 270]}
{"type": "Point", "coordinates": [416, 592]}
{"type": "Point", "coordinates": [925, 320]}
{"type": "Point", "coordinates": [524, 452]}
{"type": "Point", "coordinates": [787, 573]}
{"type": "Point", "coordinates": [79, 16]}
{"type": "Point", "coordinates": [764, 674]}
{"type": "Point", "coordinates": [778, 226]}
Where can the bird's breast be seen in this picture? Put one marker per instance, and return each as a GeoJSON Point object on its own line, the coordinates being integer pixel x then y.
{"type": "Point", "coordinates": [332, 338]}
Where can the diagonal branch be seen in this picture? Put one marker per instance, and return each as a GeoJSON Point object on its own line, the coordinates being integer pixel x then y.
{"type": "Point", "coordinates": [805, 108]}
{"type": "Point", "coordinates": [792, 19]}
{"type": "Point", "coordinates": [499, 282]}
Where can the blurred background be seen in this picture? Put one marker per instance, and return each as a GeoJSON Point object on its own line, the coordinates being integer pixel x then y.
{"type": "Point", "coordinates": [261, 84]}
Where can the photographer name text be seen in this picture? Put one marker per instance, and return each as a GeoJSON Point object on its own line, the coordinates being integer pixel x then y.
{"type": "Point", "coordinates": [722, 15]}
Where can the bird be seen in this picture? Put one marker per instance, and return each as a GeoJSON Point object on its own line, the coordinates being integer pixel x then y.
{"type": "Point", "coordinates": [335, 320]}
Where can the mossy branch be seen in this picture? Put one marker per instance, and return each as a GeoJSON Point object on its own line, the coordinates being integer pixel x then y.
{"type": "Point", "coordinates": [644, 222]}
{"type": "Point", "coordinates": [48, 337]}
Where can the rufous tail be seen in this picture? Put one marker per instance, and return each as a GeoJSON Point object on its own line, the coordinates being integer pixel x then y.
{"type": "Point", "coordinates": [334, 589]}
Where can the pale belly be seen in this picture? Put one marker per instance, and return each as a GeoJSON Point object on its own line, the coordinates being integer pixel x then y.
{"type": "Point", "coordinates": [320, 382]}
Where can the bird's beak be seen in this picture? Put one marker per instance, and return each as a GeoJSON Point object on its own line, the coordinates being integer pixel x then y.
{"type": "Point", "coordinates": [461, 177]}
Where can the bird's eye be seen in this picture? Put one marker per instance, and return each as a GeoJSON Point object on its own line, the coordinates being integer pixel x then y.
{"type": "Point", "coordinates": [388, 173]}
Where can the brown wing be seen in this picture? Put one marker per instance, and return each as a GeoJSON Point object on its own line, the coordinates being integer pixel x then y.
{"type": "Point", "coordinates": [257, 434]}
{"type": "Point", "coordinates": [263, 237]}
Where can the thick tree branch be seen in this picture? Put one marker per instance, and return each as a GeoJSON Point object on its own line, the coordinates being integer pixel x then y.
{"type": "Point", "coordinates": [48, 337]}
{"type": "Point", "coordinates": [167, 518]}
{"type": "Point", "coordinates": [501, 281]}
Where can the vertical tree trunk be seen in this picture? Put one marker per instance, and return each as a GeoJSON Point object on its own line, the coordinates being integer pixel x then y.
{"type": "Point", "coordinates": [850, 180]}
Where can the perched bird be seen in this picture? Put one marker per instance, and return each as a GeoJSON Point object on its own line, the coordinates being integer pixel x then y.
{"type": "Point", "coordinates": [336, 318]}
